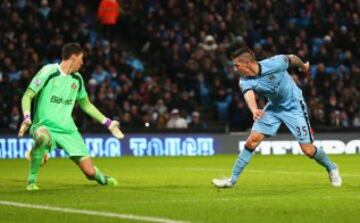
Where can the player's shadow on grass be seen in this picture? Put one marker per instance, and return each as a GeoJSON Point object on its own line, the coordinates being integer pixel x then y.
{"type": "Point", "coordinates": [53, 187]}
{"type": "Point", "coordinates": [267, 191]}
{"type": "Point", "coordinates": [18, 187]}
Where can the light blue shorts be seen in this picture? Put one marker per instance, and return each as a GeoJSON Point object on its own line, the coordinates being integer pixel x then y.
{"type": "Point", "coordinates": [296, 119]}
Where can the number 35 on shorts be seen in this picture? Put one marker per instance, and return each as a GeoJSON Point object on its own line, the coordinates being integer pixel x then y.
{"type": "Point", "coordinates": [302, 131]}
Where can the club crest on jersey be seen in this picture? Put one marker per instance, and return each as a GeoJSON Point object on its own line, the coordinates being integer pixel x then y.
{"type": "Point", "coordinates": [73, 86]}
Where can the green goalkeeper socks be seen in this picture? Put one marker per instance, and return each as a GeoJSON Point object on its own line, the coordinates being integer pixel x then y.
{"type": "Point", "coordinates": [35, 163]}
{"type": "Point", "coordinates": [36, 156]}
{"type": "Point", "coordinates": [99, 177]}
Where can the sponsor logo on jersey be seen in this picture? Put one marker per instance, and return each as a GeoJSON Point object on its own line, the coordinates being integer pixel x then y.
{"type": "Point", "coordinates": [60, 100]}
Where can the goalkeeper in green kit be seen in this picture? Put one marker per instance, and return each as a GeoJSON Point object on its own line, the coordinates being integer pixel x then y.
{"type": "Point", "coordinates": [53, 93]}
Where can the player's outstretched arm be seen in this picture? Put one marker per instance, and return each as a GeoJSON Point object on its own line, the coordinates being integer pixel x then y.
{"type": "Point", "coordinates": [26, 107]}
{"type": "Point", "coordinates": [251, 102]}
{"type": "Point", "coordinates": [297, 62]}
{"type": "Point", "coordinates": [93, 112]}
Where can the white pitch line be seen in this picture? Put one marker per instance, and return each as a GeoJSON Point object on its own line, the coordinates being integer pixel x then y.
{"type": "Point", "coordinates": [93, 213]}
{"type": "Point", "coordinates": [232, 199]}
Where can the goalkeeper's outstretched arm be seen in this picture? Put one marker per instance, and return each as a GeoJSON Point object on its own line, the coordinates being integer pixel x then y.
{"type": "Point", "coordinates": [93, 112]}
{"type": "Point", "coordinates": [26, 108]}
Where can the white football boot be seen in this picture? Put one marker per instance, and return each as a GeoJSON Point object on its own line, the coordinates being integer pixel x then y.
{"type": "Point", "coordinates": [223, 183]}
{"type": "Point", "coordinates": [335, 178]}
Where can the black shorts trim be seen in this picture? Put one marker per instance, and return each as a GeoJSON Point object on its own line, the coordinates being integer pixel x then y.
{"type": "Point", "coordinates": [246, 90]}
{"type": "Point", "coordinates": [303, 108]}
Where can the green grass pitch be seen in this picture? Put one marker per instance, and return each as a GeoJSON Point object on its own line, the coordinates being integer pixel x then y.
{"type": "Point", "coordinates": [272, 189]}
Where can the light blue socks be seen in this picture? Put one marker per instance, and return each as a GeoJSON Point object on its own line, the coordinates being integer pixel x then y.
{"type": "Point", "coordinates": [243, 159]}
{"type": "Point", "coordinates": [321, 158]}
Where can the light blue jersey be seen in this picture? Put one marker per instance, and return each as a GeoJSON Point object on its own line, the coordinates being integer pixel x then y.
{"type": "Point", "coordinates": [273, 82]}
{"type": "Point", "coordinates": [285, 100]}
{"type": "Point", "coordinates": [285, 105]}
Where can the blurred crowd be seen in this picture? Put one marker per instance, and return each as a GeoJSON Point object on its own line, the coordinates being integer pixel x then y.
{"type": "Point", "coordinates": [165, 63]}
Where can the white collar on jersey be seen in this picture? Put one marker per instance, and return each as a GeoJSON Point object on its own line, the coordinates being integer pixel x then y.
{"type": "Point", "coordinates": [61, 71]}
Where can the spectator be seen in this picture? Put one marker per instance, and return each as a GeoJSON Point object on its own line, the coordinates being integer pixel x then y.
{"type": "Point", "coordinates": [196, 122]}
{"type": "Point", "coordinates": [240, 116]}
{"type": "Point", "coordinates": [209, 44]}
{"type": "Point", "coordinates": [100, 75]}
{"type": "Point", "coordinates": [356, 120]}
{"type": "Point", "coordinates": [44, 9]}
{"type": "Point", "coordinates": [136, 117]}
{"type": "Point", "coordinates": [108, 13]}
{"type": "Point", "coordinates": [184, 59]}
{"type": "Point", "coordinates": [161, 121]}
{"type": "Point", "coordinates": [160, 106]}
{"type": "Point", "coordinates": [126, 120]}
{"type": "Point", "coordinates": [176, 121]}
{"type": "Point", "coordinates": [15, 118]}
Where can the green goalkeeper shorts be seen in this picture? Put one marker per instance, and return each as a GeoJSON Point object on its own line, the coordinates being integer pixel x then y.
{"type": "Point", "coordinates": [72, 143]}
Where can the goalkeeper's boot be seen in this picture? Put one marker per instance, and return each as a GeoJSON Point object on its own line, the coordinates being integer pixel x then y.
{"type": "Point", "coordinates": [32, 186]}
{"type": "Point", "coordinates": [223, 183]}
{"type": "Point", "coordinates": [335, 178]}
{"type": "Point", "coordinates": [110, 181]}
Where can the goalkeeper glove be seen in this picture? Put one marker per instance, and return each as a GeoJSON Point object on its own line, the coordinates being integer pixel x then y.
{"type": "Point", "coordinates": [25, 125]}
{"type": "Point", "coordinates": [113, 127]}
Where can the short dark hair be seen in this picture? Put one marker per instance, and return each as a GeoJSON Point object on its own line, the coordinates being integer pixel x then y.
{"type": "Point", "coordinates": [245, 51]}
{"type": "Point", "coordinates": [69, 49]}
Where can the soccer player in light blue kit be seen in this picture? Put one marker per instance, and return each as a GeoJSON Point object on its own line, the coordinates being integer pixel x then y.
{"type": "Point", "coordinates": [269, 78]}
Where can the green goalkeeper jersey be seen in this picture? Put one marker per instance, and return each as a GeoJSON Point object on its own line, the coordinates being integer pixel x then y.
{"type": "Point", "coordinates": [55, 98]}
